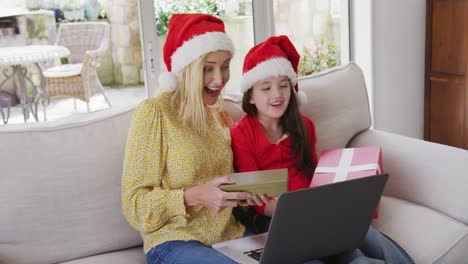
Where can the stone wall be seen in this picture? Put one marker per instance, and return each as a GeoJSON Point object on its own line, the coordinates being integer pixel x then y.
{"type": "Point", "coordinates": [125, 40]}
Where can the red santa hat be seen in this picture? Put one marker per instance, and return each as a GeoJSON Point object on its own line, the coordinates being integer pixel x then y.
{"type": "Point", "coordinates": [276, 56]}
{"type": "Point", "coordinates": [189, 37]}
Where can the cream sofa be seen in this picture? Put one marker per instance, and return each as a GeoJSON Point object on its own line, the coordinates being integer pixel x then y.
{"type": "Point", "coordinates": [60, 181]}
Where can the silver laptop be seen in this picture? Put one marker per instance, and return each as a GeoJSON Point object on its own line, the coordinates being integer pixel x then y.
{"type": "Point", "coordinates": [312, 223]}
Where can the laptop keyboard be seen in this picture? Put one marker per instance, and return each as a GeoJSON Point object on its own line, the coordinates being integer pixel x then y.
{"type": "Point", "coordinates": [255, 254]}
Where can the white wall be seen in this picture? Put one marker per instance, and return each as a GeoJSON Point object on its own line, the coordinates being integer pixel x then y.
{"type": "Point", "coordinates": [387, 42]}
{"type": "Point", "coordinates": [360, 41]}
{"type": "Point", "coordinates": [398, 43]}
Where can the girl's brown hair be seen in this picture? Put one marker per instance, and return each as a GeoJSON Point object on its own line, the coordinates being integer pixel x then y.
{"type": "Point", "coordinates": [291, 123]}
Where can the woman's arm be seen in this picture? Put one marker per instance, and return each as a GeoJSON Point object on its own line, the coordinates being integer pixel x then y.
{"type": "Point", "coordinates": [145, 204]}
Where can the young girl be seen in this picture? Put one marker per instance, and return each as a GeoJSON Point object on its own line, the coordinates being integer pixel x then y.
{"type": "Point", "coordinates": [273, 134]}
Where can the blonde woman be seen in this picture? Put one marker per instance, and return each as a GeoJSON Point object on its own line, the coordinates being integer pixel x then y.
{"type": "Point", "coordinates": [178, 143]}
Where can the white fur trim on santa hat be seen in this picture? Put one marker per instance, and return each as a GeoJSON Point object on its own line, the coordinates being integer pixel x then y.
{"type": "Point", "coordinates": [197, 46]}
{"type": "Point", "coordinates": [301, 98]}
{"type": "Point", "coordinates": [272, 67]}
{"type": "Point", "coordinates": [167, 80]}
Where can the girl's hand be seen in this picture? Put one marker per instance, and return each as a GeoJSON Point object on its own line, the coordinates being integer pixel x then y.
{"type": "Point", "coordinates": [270, 207]}
{"type": "Point", "coordinates": [259, 200]}
{"type": "Point", "coordinates": [209, 195]}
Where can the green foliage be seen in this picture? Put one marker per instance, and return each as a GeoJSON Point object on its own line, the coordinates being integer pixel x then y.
{"type": "Point", "coordinates": [166, 9]}
{"type": "Point", "coordinates": [71, 5]}
{"type": "Point", "coordinates": [36, 27]}
{"type": "Point", "coordinates": [323, 57]}
{"type": "Point", "coordinates": [64, 60]}
{"type": "Point", "coordinates": [103, 14]}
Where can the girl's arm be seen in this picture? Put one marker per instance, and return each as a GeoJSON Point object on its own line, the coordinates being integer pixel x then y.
{"type": "Point", "coordinates": [244, 158]}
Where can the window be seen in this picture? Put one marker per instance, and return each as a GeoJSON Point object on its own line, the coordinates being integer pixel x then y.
{"type": "Point", "coordinates": [318, 29]}
{"type": "Point", "coordinates": [238, 19]}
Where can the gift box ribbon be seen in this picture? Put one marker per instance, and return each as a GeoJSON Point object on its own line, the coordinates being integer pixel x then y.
{"type": "Point", "coordinates": [345, 166]}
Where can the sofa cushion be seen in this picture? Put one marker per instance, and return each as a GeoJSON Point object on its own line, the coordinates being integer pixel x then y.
{"type": "Point", "coordinates": [421, 172]}
{"type": "Point", "coordinates": [60, 189]}
{"type": "Point", "coordinates": [233, 105]}
{"type": "Point", "coordinates": [337, 103]}
{"type": "Point", "coordinates": [65, 70]}
{"type": "Point", "coordinates": [127, 256]}
{"type": "Point", "coordinates": [424, 233]}
{"type": "Point", "coordinates": [457, 254]}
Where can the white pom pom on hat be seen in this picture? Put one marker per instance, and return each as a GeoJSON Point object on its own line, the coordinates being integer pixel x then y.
{"type": "Point", "coordinates": [167, 80]}
{"type": "Point", "coordinates": [276, 56]}
{"type": "Point", "coordinates": [301, 98]}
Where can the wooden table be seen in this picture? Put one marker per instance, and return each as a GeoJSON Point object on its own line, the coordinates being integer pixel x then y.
{"type": "Point", "coordinates": [18, 58]}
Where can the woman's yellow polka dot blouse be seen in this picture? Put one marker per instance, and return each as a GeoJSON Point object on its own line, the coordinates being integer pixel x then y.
{"type": "Point", "coordinates": [164, 157]}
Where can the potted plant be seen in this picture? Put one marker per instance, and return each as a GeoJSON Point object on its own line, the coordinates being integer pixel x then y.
{"type": "Point", "coordinates": [73, 10]}
{"type": "Point", "coordinates": [33, 4]}
{"type": "Point", "coordinates": [92, 9]}
{"type": "Point", "coordinates": [319, 58]}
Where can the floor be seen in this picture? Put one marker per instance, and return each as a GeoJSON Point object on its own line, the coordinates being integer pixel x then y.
{"type": "Point", "coordinates": [63, 108]}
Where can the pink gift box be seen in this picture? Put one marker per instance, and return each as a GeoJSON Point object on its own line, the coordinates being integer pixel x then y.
{"type": "Point", "coordinates": [346, 164]}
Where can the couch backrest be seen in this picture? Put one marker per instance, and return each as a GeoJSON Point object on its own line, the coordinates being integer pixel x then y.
{"type": "Point", "coordinates": [60, 181]}
{"type": "Point", "coordinates": [60, 189]}
{"type": "Point", "coordinates": [337, 103]}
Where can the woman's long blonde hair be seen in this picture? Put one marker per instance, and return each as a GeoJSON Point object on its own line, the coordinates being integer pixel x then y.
{"type": "Point", "coordinates": [188, 97]}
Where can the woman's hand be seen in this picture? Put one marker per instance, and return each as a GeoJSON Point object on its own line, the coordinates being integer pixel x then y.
{"type": "Point", "coordinates": [209, 195]}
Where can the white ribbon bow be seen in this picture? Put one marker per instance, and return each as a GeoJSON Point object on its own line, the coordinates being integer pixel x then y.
{"type": "Point", "coordinates": [344, 166]}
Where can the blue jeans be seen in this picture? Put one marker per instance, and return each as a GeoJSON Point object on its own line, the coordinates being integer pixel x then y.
{"type": "Point", "coordinates": [377, 248]}
{"type": "Point", "coordinates": [192, 251]}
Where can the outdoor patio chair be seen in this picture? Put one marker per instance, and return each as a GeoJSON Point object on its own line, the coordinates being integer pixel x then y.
{"type": "Point", "coordinates": [78, 79]}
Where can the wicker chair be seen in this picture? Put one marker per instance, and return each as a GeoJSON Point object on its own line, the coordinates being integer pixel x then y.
{"type": "Point", "coordinates": [86, 42]}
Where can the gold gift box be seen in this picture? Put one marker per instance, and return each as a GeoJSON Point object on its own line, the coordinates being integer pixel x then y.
{"type": "Point", "coordinates": [268, 182]}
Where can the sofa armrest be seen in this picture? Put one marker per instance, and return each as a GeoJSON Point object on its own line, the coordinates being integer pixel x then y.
{"type": "Point", "coordinates": [422, 172]}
